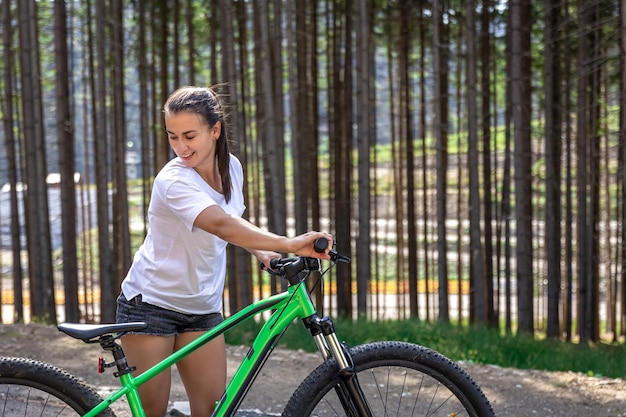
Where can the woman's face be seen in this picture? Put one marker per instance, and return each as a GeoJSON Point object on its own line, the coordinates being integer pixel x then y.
{"type": "Point", "coordinates": [192, 139]}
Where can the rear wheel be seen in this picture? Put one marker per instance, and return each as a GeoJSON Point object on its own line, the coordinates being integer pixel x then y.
{"type": "Point", "coordinates": [33, 388]}
{"type": "Point", "coordinates": [397, 379]}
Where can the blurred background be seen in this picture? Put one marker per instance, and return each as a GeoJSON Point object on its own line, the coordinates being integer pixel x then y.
{"type": "Point", "coordinates": [468, 156]}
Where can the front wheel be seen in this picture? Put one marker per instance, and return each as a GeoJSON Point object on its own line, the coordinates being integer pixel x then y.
{"type": "Point", "coordinates": [33, 388]}
{"type": "Point", "coordinates": [397, 379]}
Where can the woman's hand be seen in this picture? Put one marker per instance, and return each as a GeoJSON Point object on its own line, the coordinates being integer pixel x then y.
{"type": "Point", "coordinates": [265, 256]}
{"type": "Point", "coordinates": [303, 244]}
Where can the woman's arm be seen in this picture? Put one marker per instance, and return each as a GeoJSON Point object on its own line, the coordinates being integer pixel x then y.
{"type": "Point", "coordinates": [242, 233]}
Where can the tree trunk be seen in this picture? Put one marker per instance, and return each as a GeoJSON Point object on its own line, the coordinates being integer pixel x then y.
{"type": "Point", "coordinates": [240, 286]}
{"type": "Point", "coordinates": [485, 98]}
{"type": "Point", "coordinates": [568, 256]}
{"type": "Point", "coordinates": [269, 132]}
{"type": "Point", "coordinates": [365, 140]}
{"type": "Point", "coordinates": [440, 61]}
{"type": "Point", "coordinates": [248, 147]}
{"type": "Point", "coordinates": [298, 45]}
{"type": "Point", "coordinates": [312, 122]}
{"type": "Point", "coordinates": [423, 129]}
{"type": "Point", "coordinates": [587, 172]}
{"type": "Point", "coordinates": [121, 230]}
{"type": "Point", "coordinates": [162, 150]}
{"type": "Point", "coordinates": [342, 142]}
{"type": "Point", "coordinates": [552, 85]}
{"type": "Point", "coordinates": [405, 125]}
{"type": "Point", "coordinates": [144, 108]}
{"type": "Point", "coordinates": [478, 288]}
{"type": "Point", "coordinates": [594, 170]}
{"type": "Point", "coordinates": [108, 277]}
{"type": "Point", "coordinates": [521, 100]}
{"type": "Point", "coordinates": [191, 42]}
{"type": "Point", "coordinates": [622, 158]}
{"type": "Point", "coordinates": [36, 200]}
{"type": "Point", "coordinates": [65, 134]}
{"type": "Point", "coordinates": [12, 162]}
{"type": "Point", "coordinates": [91, 279]}
{"type": "Point", "coordinates": [506, 206]}
{"type": "Point", "coordinates": [460, 177]}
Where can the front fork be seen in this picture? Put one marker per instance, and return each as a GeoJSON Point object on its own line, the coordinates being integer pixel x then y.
{"type": "Point", "coordinates": [348, 390]}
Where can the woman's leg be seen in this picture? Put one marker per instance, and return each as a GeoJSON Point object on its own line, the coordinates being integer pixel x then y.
{"type": "Point", "coordinates": [144, 351]}
{"type": "Point", "coordinates": [203, 373]}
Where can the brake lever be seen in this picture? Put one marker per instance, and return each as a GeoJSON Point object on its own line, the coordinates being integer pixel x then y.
{"type": "Point", "coordinates": [335, 257]}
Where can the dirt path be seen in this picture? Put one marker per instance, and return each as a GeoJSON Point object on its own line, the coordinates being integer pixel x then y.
{"type": "Point", "coordinates": [512, 392]}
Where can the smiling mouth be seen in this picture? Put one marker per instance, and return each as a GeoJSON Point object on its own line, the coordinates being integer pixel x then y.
{"type": "Point", "coordinates": [186, 157]}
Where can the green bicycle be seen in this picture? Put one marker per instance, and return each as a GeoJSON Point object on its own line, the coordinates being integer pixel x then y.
{"type": "Point", "coordinates": [375, 379]}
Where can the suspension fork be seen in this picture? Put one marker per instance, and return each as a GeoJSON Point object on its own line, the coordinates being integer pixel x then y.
{"type": "Point", "coordinates": [348, 390]}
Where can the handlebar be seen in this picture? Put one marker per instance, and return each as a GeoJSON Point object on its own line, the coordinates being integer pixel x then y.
{"type": "Point", "coordinates": [289, 268]}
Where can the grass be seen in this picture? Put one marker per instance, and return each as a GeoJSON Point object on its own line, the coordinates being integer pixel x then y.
{"type": "Point", "coordinates": [468, 344]}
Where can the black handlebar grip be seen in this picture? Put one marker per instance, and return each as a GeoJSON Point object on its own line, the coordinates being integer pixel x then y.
{"type": "Point", "coordinates": [320, 245]}
{"type": "Point", "coordinates": [274, 263]}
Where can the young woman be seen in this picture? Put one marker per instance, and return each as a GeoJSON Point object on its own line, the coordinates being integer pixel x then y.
{"type": "Point", "coordinates": [177, 278]}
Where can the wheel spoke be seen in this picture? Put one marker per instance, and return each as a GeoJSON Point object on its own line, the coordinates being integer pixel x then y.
{"type": "Point", "coordinates": [25, 401]}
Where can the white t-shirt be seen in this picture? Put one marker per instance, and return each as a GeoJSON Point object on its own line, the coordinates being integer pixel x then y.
{"type": "Point", "coordinates": [179, 266]}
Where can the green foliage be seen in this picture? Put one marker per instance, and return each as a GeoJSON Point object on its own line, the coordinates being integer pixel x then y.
{"type": "Point", "coordinates": [466, 344]}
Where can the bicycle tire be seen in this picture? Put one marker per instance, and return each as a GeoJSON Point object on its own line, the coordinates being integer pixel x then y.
{"type": "Point", "coordinates": [33, 388]}
{"type": "Point", "coordinates": [397, 379]}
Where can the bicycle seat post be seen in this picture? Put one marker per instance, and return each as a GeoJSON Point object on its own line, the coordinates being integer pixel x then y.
{"type": "Point", "coordinates": [109, 343]}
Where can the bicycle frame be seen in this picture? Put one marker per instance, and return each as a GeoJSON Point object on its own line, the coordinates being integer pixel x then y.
{"type": "Point", "coordinates": [289, 305]}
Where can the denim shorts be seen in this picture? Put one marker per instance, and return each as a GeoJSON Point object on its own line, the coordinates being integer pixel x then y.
{"type": "Point", "coordinates": [162, 321]}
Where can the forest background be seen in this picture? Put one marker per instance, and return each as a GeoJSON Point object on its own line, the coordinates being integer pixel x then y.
{"type": "Point", "coordinates": [469, 156]}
